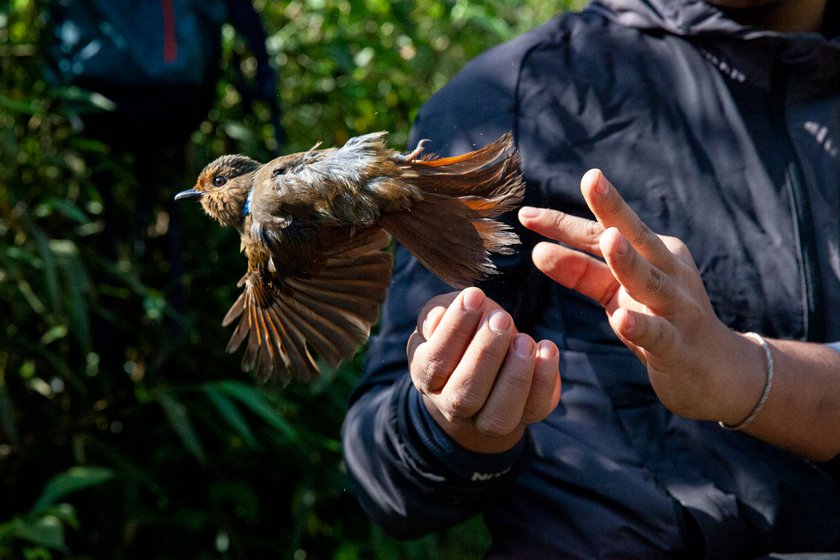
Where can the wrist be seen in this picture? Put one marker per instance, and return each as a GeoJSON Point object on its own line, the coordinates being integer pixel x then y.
{"type": "Point", "coordinates": [746, 377]}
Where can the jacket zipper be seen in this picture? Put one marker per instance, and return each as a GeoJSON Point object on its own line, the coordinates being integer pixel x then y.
{"type": "Point", "coordinates": [807, 245]}
{"type": "Point", "coordinates": [806, 241]}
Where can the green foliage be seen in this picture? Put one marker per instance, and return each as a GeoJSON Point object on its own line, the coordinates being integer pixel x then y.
{"type": "Point", "coordinates": [126, 431]}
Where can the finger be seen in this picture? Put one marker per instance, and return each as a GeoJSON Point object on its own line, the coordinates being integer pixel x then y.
{"type": "Point", "coordinates": [433, 361]}
{"type": "Point", "coordinates": [545, 384]}
{"type": "Point", "coordinates": [431, 321]}
{"type": "Point", "coordinates": [427, 323]}
{"type": "Point", "coordinates": [643, 281]}
{"type": "Point", "coordinates": [435, 304]}
{"type": "Point", "coordinates": [503, 410]}
{"type": "Point", "coordinates": [573, 231]}
{"type": "Point", "coordinates": [612, 211]}
{"type": "Point", "coordinates": [470, 384]}
{"type": "Point", "coordinates": [577, 271]}
{"type": "Point", "coordinates": [650, 334]}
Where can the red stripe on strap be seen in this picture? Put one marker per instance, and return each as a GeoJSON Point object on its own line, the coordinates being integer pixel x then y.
{"type": "Point", "coordinates": [170, 39]}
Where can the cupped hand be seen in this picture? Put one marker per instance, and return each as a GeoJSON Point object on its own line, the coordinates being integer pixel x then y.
{"type": "Point", "coordinates": [654, 297]}
{"type": "Point", "coordinates": [481, 380]}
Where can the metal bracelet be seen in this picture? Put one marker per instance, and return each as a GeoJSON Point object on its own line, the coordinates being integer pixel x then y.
{"type": "Point", "coordinates": [768, 384]}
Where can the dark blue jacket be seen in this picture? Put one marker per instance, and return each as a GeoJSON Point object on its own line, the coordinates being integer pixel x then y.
{"type": "Point", "coordinates": [724, 136]}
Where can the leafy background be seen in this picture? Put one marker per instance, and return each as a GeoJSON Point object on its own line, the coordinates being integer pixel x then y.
{"type": "Point", "coordinates": [125, 429]}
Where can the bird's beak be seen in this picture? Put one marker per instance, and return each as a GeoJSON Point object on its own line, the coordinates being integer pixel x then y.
{"type": "Point", "coordinates": [189, 193]}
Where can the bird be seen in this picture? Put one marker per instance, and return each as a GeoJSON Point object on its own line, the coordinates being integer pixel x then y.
{"type": "Point", "coordinates": [316, 228]}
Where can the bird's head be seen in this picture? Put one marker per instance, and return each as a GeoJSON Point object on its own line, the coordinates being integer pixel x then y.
{"type": "Point", "coordinates": [223, 187]}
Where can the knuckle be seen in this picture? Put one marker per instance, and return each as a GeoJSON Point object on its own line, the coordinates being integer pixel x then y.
{"type": "Point", "coordinates": [428, 376]}
{"type": "Point", "coordinates": [518, 380]}
{"type": "Point", "coordinates": [655, 281]}
{"type": "Point", "coordinates": [463, 403]}
{"type": "Point", "coordinates": [558, 219]}
{"type": "Point", "coordinates": [678, 247]}
{"type": "Point", "coordinates": [592, 231]}
{"type": "Point", "coordinates": [493, 354]}
{"type": "Point", "coordinates": [494, 425]}
{"type": "Point", "coordinates": [539, 403]}
{"type": "Point", "coordinates": [535, 412]}
{"type": "Point", "coordinates": [447, 414]}
{"type": "Point", "coordinates": [674, 244]}
{"type": "Point", "coordinates": [643, 236]}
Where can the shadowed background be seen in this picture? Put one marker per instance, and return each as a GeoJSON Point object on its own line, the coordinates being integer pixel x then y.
{"type": "Point", "coordinates": [126, 431]}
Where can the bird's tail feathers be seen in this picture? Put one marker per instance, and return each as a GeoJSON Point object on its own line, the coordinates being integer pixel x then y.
{"type": "Point", "coordinates": [452, 227]}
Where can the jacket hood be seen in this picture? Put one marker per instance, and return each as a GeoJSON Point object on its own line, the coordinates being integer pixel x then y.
{"type": "Point", "coordinates": [678, 17]}
{"type": "Point", "coordinates": [753, 54]}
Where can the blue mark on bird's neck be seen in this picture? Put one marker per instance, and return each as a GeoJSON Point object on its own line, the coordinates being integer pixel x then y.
{"type": "Point", "coordinates": [247, 208]}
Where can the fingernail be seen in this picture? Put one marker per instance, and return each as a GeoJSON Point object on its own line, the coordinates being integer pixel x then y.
{"type": "Point", "coordinates": [426, 328]}
{"type": "Point", "coordinates": [523, 345]}
{"type": "Point", "coordinates": [631, 320]}
{"type": "Point", "coordinates": [546, 350]}
{"type": "Point", "coordinates": [499, 322]}
{"type": "Point", "coordinates": [622, 245]}
{"type": "Point", "coordinates": [431, 321]}
{"type": "Point", "coordinates": [473, 299]}
{"type": "Point", "coordinates": [601, 186]}
{"type": "Point", "coordinates": [529, 212]}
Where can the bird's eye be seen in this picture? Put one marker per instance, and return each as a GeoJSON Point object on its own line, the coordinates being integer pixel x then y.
{"type": "Point", "coordinates": [277, 171]}
{"type": "Point", "coordinates": [219, 180]}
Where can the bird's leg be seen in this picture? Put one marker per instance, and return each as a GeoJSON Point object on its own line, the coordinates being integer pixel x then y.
{"type": "Point", "coordinates": [421, 145]}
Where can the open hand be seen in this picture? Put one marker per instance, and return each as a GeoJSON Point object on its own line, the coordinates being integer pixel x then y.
{"type": "Point", "coordinates": [654, 296]}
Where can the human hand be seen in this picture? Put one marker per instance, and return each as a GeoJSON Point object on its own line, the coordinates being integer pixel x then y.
{"type": "Point", "coordinates": [654, 297]}
{"type": "Point", "coordinates": [481, 380]}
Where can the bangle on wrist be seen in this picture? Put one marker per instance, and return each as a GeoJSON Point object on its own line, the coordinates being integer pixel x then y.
{"type": "Point", "coordinates": [768, 385]}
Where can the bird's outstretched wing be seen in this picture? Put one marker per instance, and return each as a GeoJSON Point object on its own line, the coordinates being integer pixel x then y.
{"type": "Point", "coordinates": [329, 311]}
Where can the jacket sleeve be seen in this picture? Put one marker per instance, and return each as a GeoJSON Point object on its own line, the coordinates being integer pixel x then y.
{"type": "Point", "coordinates": [409, 476]}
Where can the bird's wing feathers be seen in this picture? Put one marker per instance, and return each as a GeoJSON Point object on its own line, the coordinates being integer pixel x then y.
{"type": "Point", "coordinates": [329, 311]}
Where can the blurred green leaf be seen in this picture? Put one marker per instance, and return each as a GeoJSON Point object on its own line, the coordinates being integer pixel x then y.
{"type": "Point", "coordinates": [56, 332]}
{"type": "Point", "coordinates": [67, 209]}
{"type": "Point", "coordinates": [39, 553]}
{"type": "Point", "coordinates": [71, 480]}
{"type": "Point", "coordinates": [31, 298]}
{"type": "Point", "coordinates": [238, 131]}
{"type": "Point", "coordinates": [78, 310]}
{"type": "Point", "coordinates": [154, 304]}
{"type": "Point", "coordinates": [180, 421]}
{"type": "Point", "coordinates": [17, 105]}
{"type": "Point", "coordinates": [50, 265]}
{"type": "Point", "coordinates": [44, 531]}
{"type": "Point", "coordinates": [228, 410]}
{"type": "Point", "coordinates": [238, 493]}
{"type": "Point", "coordinates": [7, 415]}
{"type": "Point", "coordinates": [88, 101]}
{"type": "Point", "coordinates": [252, 398]}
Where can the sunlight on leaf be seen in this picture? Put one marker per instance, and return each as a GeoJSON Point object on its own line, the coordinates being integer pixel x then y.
{"type": "Point", "coordinates": [55, 333]}
{"type": "Point", "coordinates": [45, 531]}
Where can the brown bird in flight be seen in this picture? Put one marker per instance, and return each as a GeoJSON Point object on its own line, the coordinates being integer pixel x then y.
{"type": "Point", "coordinates": [314, 226]}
